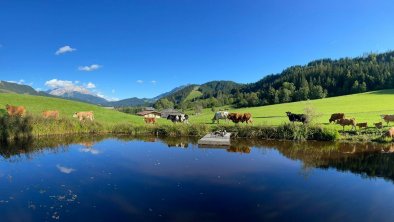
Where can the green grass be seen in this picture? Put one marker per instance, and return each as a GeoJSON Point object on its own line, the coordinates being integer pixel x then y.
{"type": "Point", "coordinates": [193, 94]}
{"type": "Point", "coordinates": [35, 105]}
{"type": "Point", "coordinates": [364, 107]}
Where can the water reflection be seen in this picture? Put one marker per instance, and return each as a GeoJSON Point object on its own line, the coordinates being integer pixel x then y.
{"type": "Point", "coordinates": [103, 178]}
{"type": "Point", "coordinates": [367, 159]}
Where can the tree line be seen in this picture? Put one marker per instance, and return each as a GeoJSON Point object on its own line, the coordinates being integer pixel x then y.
{"type": "Point", "coordinates": [318, 79]}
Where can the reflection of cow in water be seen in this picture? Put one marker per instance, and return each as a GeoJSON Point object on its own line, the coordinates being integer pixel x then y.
{"type": "Point", "coordinates": [179, 145]}
{"type": "Point", "coordinates": [220, 115]}
{"type": "Point", "coordinates": [183, 118]}
{"type": "Point", "coordinates": [239, 149]}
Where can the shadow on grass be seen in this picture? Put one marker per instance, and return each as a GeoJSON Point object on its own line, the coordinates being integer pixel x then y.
{"type": "Point", "coordinates": [267, 117]}
{"type": "Point", "coordinates": [383, 92]}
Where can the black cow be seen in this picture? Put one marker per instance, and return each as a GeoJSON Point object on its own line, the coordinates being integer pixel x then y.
{"type": "Point", "coordinates": [178, 118]}
{"type": "Point", "coordinates": [297, 117]}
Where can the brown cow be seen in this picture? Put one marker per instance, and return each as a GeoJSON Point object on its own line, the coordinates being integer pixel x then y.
{"type": "Point", "coordinates": [378, 125]}
{"type": "Point", "coordinates": [235, 117]}
{"type": "Point", "coordinates": [247, 117]}
{"type": "Point", "coordinates": [336, 116]}
{"type": "Point", "coordinates": [347, 122]}
{"type": "Point", "coordinates": [388, 118]}
{"type": "Point", "coordinates": [362, 125]}
{"type": "Point", "coordinates": [390, 132]}
{"type": "Point", "coordinates": [240, 117]}
{"type": "Point", "coordinates": [50, 114]}
{"type": "Point", "coordinates": [15, 110]}
{"type": "Point", "coordinates": [84, 115]}
{"type": "Point", "coordinates": [150, 120]}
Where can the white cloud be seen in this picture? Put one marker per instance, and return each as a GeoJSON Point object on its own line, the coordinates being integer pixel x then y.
{"type": "Point", "coordinates": [90, 150]}
{"type": "Point", "coordinates": [55, 83]}
{"type": "Point", "coordinates": [65, 170]}
{"type": "Point", "coordinates": [89, 68]}
{"type": "Point", "coordinates": [90, 85]}
{"type": "Point", "coordinates": [153, 82]}
{"type": "Point", "coordinates": [20, 82]}
{"type": "Point", "coordinates": [64, 49]}
{"type": "Point", "coordinates": [140, 81]}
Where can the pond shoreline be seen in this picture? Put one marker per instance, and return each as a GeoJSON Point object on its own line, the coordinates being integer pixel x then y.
{"type": "Point", "coordinates": [15, 128]}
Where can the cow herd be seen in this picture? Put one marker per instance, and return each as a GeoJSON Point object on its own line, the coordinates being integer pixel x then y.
{"type": "Point", "coordinates": [339, 118]}
{"type": "Point", "coordinates": [20, 111]}
{"type": "Point", "coordinates": [180, 118]}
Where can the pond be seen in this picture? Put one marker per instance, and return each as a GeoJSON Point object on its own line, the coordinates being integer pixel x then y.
{"type": "Point", "coordinates": [172, 179]}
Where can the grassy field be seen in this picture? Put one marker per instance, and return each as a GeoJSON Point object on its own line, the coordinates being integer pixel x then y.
{"type": "Point", "coordinates": [364, 107]}
{"type": "Point", "coordinates": [35, 105]}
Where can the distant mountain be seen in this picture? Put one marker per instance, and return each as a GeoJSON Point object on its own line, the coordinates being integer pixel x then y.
{"type": "Point", "coordinates": [163, 95]}
{"type": "Point", "coordinates": [10, 87]}
{"type": "Point", "coordinates": [78, 94]}
{"type": "Point", "coordinates": [131, 102]}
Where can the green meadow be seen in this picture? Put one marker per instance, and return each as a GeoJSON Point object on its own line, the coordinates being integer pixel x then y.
{"type": "Point", "coordinates": [365, 107]}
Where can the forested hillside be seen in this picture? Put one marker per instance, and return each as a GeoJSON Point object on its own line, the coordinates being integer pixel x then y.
{"type": "Point", "coordinates": [318, 79]}
{"type": "Point", "coordinates": [321, 78]}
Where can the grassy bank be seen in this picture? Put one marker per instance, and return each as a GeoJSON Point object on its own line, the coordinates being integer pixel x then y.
{"type": "Point", "coordinates": [30, 126]}
{"type": "Point", "coordinates": [270, 122]}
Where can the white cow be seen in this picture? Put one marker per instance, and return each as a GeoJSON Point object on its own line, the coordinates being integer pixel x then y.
{"type": "Point", "coordinates": [220, 115]}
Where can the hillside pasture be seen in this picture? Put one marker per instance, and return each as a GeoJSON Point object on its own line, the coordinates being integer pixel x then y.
{"type": "Point", "coordinates": [364, 107]}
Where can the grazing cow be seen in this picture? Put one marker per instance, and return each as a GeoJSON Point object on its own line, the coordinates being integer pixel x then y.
{"type": "Point", "coordinates": [390, 132]}
{"type": "Point", "coordinates": [362, 125]}
{"type": "Point", "coordinates": [15, 110]}
{"type": "Point", "coordinates": [240, 117]}
{"type": "Point", "coordinates": [303, 118]}
{"type": "Point", "coordinates": [347, 122]}
{"type": "Point", "coordinates": [235, 117]}
{"type": "Point", "coordinates": [150, 120]}
{"type": "Point", "coordinates": [388, 118]}
{"type": "Point", "coordinates": [50, 114]}
{"type": "Point", "coordinates": [336, 116]}
{"type": "Point", "coordinates": [220, 115]}
{"type": "Point", "coordinates": [84, 115]}
{"type": "Point", "coordinates": [378, 125]}
{"type": "Point", "coordinates": [178, 118]}
{"type": "Point", "coordinates": [247, 117]}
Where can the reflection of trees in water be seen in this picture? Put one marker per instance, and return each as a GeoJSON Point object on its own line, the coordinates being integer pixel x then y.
{"type": "Point", "coordinates": [370, 159]}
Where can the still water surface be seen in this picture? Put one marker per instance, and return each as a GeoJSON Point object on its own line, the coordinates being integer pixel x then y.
{"type": "Point", "coordinates": [168, 179]}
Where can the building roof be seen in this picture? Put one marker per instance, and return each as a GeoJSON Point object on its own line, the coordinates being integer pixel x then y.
{"type": "Point", "coordinates": [143, 113]}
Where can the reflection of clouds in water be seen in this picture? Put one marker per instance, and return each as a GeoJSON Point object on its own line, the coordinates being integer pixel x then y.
{"type": "Point", "coordinates": [65, 170]}
{"type": "Point", "coordinates": [90, 150]}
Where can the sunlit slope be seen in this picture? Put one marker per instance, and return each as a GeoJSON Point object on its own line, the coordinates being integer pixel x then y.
{"type": "Point", "coordinates": [36, 104]}
{"type": "Point", "coordinates": [365, 107]}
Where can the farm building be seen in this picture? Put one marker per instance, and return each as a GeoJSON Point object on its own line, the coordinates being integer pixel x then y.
{"type": "Point", "coordinates": [149, 114]}
{"type": "Point", "coordinates": [165, 113]}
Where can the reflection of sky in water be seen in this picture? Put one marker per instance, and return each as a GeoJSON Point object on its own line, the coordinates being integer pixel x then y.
{"type": "Point", "coordinates": [138, 181]}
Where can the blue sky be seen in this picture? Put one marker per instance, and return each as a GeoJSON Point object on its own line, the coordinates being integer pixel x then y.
{"type": "Point", "coordinates": [126, 48]}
